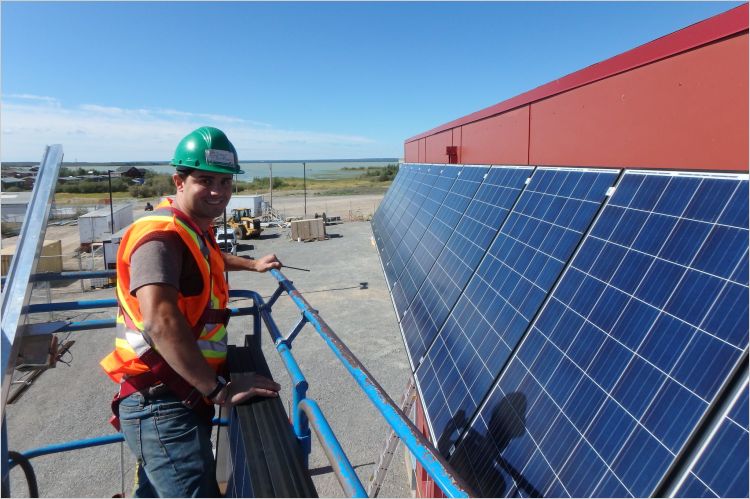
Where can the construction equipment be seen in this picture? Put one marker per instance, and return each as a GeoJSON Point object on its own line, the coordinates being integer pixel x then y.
{"type": "Point", "coordinates": [244, 225]}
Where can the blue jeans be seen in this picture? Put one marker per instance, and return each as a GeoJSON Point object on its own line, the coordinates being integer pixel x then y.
{"type": "Point", "coordinates": [172, 446]}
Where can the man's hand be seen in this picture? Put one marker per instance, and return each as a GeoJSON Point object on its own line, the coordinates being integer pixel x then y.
{"type": "Point", "coordinates": [247, 385]}
{"type": "Point", "coordinates": [267, 262]}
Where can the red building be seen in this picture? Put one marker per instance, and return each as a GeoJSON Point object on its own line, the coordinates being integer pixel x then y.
{"type": "Point", "coordinates": [677, 103]}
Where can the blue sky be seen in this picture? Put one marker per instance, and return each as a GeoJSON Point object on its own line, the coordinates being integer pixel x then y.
{"type": "Point", "coordinates": [119, 81]}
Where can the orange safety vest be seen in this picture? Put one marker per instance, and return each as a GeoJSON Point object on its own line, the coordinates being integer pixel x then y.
{"type": "Point", "coordinates": [211, 333]}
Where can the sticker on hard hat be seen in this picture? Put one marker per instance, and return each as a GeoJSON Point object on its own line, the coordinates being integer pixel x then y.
{"type": "Point", "coordinates": [214, 156]}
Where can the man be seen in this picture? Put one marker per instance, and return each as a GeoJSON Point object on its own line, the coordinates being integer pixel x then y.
{"type": "Point", "coordinates": [171, 340]}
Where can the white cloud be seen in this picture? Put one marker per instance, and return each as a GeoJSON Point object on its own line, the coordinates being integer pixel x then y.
{"type": "Point", "coordinates": [50, 101]}
{"type": "Point", "coordinates": [94, 132]}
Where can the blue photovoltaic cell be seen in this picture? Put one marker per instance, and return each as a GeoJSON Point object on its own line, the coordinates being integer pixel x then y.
{"type": "Point", "coordinates": [393, 212]}
{"type": "Point", "coordinates": [434, 238]}
{"type": "Point", "coordinates": [439, 190]}
{"type": "Point", "coordinates": [384, 214]}
{"type": "Point", "coordinates": [404, 172]}
{"type": "Point", "coordinates": [464, 250]}
{"type": "Point", "coordinates": [722, 467]}
{"type": "Point", "coordinates": [432, 243]}
{"type": "Point", "coordinates": [415, 196]}
{"type": "Point", "coordinates": [531, 249]}
{"type": "Point", "coordinates": [622, 362]}
{"type": "Point", "coordinates": [398, 208]}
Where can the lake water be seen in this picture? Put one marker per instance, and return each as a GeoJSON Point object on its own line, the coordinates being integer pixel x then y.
{"type": "Point", "coordinates": [314, 169]}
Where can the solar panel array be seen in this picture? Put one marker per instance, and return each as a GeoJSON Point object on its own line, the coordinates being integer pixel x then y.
{"type": "Point", "coordinates": [575, 332]}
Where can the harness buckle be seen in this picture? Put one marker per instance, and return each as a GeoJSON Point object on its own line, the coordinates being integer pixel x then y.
{"type": "Point", "coordinates": [194, 398]}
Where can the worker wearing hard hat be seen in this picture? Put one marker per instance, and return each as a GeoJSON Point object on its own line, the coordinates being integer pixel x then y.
{"type": "Point", "coordinates": [171, 340]}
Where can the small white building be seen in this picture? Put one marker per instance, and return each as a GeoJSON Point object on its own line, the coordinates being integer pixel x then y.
{"type": "Point", "coordinates": [92, 226]}
{"type": "Point", "coordinates": [253, 203]}
{"type": "Point", "coordinates": [14, 206]}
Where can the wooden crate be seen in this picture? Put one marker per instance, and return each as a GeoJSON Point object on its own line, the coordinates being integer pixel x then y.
{"type": "Point", "coordinates": [49, 261]}
{"type": "Point", "coordinates": [312, 229]}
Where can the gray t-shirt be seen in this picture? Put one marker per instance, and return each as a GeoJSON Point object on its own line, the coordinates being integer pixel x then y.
{"type": "Point", "coordinates": [165, 260]}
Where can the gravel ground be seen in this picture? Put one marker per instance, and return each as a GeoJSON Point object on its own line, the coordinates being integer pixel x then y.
{"type": "Point", "coordinates": [72, 401]}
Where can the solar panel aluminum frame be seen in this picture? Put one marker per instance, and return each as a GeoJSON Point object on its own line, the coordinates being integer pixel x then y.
{"type": "Point", "coordinates": [17, 292]}
{"type": "Point", "coordinates": [704, 432]}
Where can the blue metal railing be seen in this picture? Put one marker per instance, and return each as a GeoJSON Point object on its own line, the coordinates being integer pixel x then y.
{"type": "Point", "coordinates": [434, 463]}
{"type": "Point", "coordinates": [305, 411]}
{"type": "Point", "coordinates": [86, 443]}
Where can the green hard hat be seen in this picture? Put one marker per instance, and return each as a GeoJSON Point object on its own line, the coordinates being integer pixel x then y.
{"type": "Point", "coordinates": [207, 148]}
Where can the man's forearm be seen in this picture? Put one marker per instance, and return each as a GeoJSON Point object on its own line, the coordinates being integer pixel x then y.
{"type": "Point", "coordinates": [169, 332]}
{"type": "Point", "coordinates": [172, 337]}
{"type": "Point", "coordinates": [232, 262]}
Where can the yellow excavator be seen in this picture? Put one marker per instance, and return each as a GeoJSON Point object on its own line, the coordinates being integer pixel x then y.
{"type": "Point", "coordinates": [244, 225]}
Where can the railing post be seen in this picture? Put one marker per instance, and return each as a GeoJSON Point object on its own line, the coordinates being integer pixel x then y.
{"type": "Point", "coordinates": [300, 422]}
{"type": "Point", "coordinates": [256, 324]}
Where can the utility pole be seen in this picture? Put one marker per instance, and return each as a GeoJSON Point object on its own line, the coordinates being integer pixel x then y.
{"type": "Point", "coordinates": [111, 209]}
{"type": "Point", "coordinates": [270, 184]}
{"type": "Point", "coordinates": [304, 185]}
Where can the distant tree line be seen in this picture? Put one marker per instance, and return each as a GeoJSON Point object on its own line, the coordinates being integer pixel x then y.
{"type": "Point", "coordinates": [86, 186]}
{"type": "Point", "coordinates": [381, 173]}
{"type": "Point", "coordinates": [160, 184]}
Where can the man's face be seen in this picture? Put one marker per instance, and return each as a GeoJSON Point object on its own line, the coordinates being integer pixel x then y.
{"type": "Point", "coordinates": [203, 195]}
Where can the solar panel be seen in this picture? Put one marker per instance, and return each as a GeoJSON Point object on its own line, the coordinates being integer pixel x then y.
{"type": "Point", "coordinates": [389, 214]}
{"type": "Point", "coordinates": [419, 191]}
{"type": "Point", "coordinates": [437, 234]}
{"type": "Point", "coordinates": [392, 211]}
{"type": "Point", "coordinates": [466, 248]}
{"type": "Point", "coordinates": [721, 468]}
{"type": "Point", "coordinates": [424, 216]}
{"type": "Point", "coordinates": [434, 239]}
{"type": "Point", "coordinates": [515, 276]}
{"type": "Point", "coordinates": [462, 253]}
{"type": "Point", "coordinates": [385, 206]}
{"type": "Point", "coordinates": [629, 352]}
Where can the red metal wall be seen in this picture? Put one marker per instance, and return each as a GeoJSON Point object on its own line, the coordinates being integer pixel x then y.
{"type": "Point", "coordinates": [501, 139]}
{"type": "Point", "coordinates": [686, 112]}
{"type": "Point", "coordinates": [680, 102]}
{"type": "Point", "coordinates": [436, 145]}
{"type": "Point", "coordinates": [411, 150]}
{"type": "Point", "coordinates": [426, 487]}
